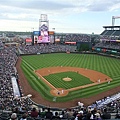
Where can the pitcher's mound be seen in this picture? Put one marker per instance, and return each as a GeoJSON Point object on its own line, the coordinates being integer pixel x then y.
{"type": "Point", "coordinates": [67, 79]}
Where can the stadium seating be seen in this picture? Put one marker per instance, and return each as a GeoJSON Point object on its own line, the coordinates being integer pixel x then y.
{"type": "Point", "coordinates": [10, 104]}
{"type": "Point", "coordinates": [110, 33]}
{"type": "Point", "coordinates": [46, 49]}
{"type": "Point", "coordinates": [77, 38]}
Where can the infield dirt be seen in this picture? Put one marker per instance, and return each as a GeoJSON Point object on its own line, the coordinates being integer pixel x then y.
{"type": "Point", "coordinates": [36, 97]}
{"type": "Point", "coordinates": [94, 76]}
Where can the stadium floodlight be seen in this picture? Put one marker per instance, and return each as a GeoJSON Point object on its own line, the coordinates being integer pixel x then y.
{"type": "Point", "coordinates": [113, 19]}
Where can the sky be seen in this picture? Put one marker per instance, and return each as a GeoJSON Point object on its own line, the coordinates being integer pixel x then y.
{"type": "Point", "coordinates": [64, 16]}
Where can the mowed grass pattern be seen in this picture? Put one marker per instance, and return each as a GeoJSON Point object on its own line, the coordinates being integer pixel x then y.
{"type": "Point", "coordinates": [106, 65]}
{"type": "Point", "coordinates": [76, 80]}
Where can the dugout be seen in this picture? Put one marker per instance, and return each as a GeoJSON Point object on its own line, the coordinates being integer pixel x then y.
{"type": "Point", "coordinates": [84, 46]}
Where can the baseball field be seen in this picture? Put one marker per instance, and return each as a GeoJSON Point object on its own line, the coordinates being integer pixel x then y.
{"type": "Point", "coordinates": [62, 77]}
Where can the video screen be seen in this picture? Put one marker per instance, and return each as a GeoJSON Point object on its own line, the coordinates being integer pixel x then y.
{"type": "Point", "coordinates": [44, 33]}
{"type": "Point", "coordinates": [39, 39]}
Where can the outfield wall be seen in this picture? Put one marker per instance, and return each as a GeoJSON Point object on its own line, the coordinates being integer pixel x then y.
{"type": "Point", "coordinates": [92, 53]}
{"type": "Point", "coordinates": [82, 52]}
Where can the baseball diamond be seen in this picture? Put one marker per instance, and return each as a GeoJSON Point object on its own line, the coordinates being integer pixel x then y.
{"type": "Point", "coordinates": [68, 77]}
{"type": "Point", "coordinates": [97, 78]}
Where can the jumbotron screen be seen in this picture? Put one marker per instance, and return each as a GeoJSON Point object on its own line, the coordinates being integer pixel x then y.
{"type": "Point", "coordinates": [44, 34]}
{"type": "Point", "coordinates": [43, 37]}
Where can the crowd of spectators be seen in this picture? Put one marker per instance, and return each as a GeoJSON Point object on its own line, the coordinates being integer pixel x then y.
{"type": "Point", "coordinates": [8, 59]}
{"type": "Point", "coordinates": [67, 37]}
{"type": "Point", "coordinates": [77, 38]}
{"type": "Point", "coordinates": [46, 48]}
{"type": "Point", "coordinates": [8, 101]}
{"type": "Point", "coordinates": [108, 45]}
{"type": "Point", "coordinates": [108, 37]}
{"type": "Point", "coordinates": [112, 103]}
{"type": "Point", "coordinates": [35, 113]}
{"type": "Point", "coordinates": [22, 108]}
{"type": "Point", "coordinates": [109, 42]}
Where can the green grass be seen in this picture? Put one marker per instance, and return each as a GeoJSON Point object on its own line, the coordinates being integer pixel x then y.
{"type": "Point", "coordinates": [77, 80]}
{"type": "Point", "coordinates": [106, 65]}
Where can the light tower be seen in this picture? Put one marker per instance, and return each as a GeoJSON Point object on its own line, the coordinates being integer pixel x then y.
{"type": "Point", "coordinates": [113, 19]}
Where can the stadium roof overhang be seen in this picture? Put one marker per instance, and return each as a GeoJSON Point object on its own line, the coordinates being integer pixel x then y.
{"type": "Point", "coordinates": [111, 27]}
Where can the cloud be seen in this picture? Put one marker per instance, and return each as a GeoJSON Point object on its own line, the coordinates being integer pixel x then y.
{"type": "Point", "coordinates": [36, 4]}
{"type": "Point", "coordinates": [103, 5]}
{"type": "Point", "coordinates": [54, 5]}
{"type": "Point", "coordinates": [60, 12]}
{"type": "Point", "coordinates": [26, 8]}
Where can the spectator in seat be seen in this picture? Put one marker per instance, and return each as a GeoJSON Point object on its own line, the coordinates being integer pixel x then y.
{"type": "Point", "coordinates": [98, 117]}
{"type": "Point", "coordinates": [105, 114]}
{"type": "Point", "coordinates": [88, 115]}
{"type": "Point", "coordinates": [48, 114]}
{"type": "Point", "coordinates": [56, 116]}
{"type": "Point", "coordinates": [79, 115]}
{"type": "Point", "coordinates": [34, 113]}
{"type": "Point", "coordinates": [14, 116]}
{"type": "Point", "coordinates": [24, 116]}
{"type": "Point", "coordinates": [117, 116]}
{"type": "Point", "coordinates": [42, 113]}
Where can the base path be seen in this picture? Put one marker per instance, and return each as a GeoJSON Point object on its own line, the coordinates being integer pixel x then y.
{"type": "Point", "coordinates": [36, 97]}
{"type": "Point", "coordinates": [94, 76]}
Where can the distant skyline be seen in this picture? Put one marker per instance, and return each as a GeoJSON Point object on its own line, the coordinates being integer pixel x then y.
{"type": "Point", "coordinates": [66, 16]}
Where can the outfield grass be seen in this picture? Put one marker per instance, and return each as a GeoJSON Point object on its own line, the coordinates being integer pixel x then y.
{"type": "Point", "coordinates": [106, 65]}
